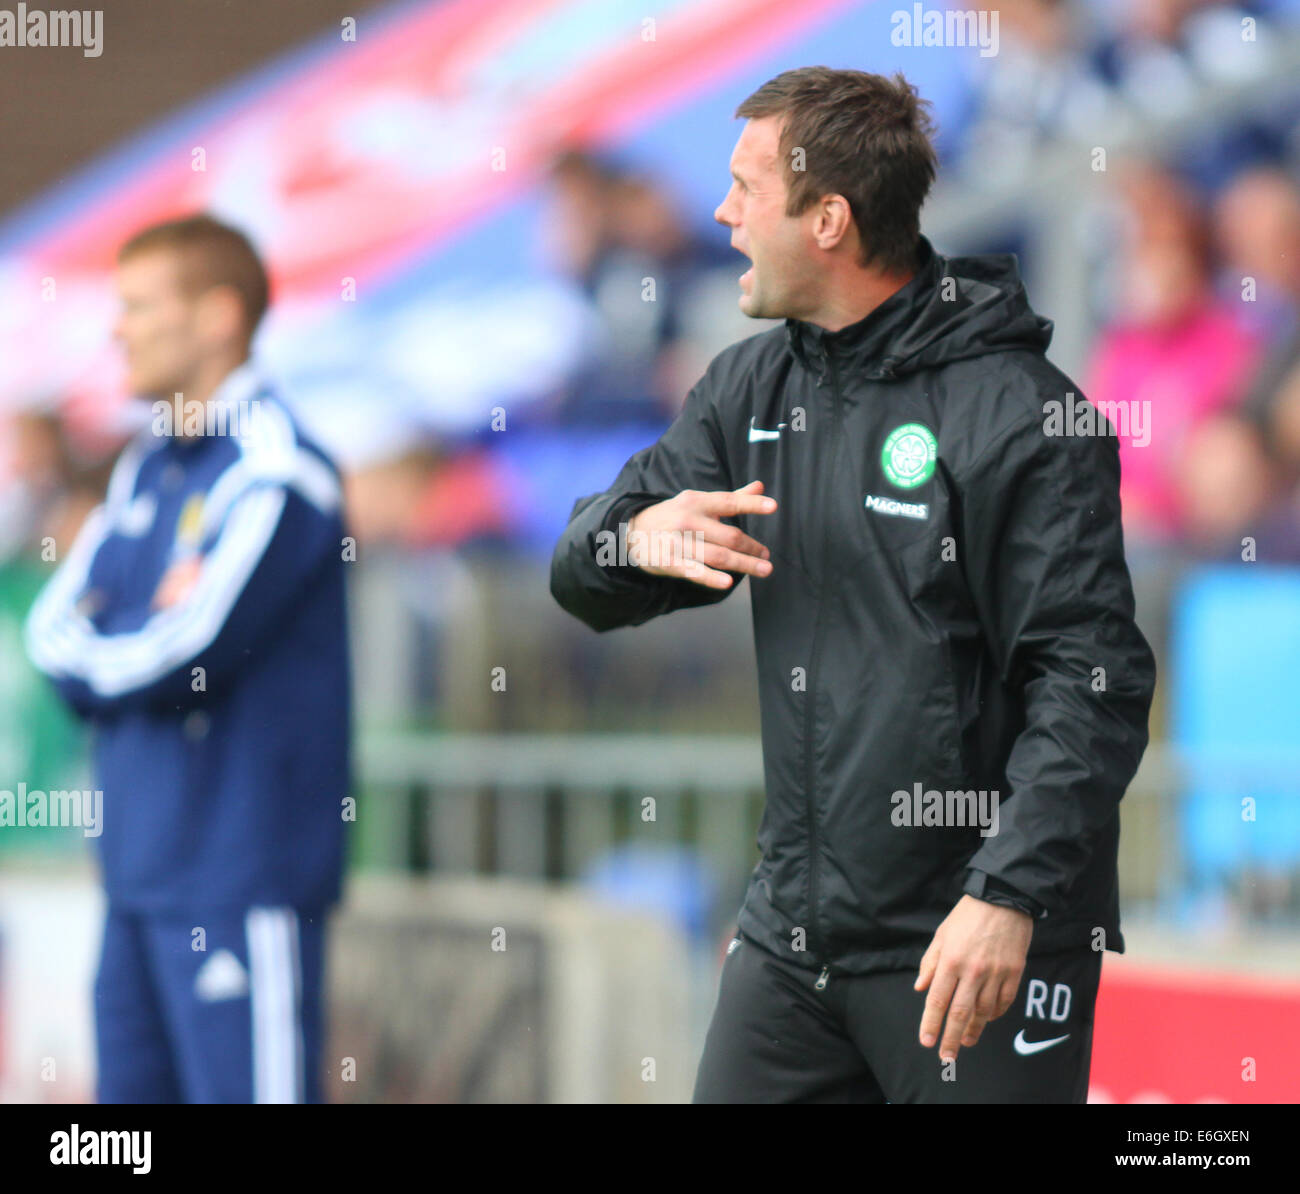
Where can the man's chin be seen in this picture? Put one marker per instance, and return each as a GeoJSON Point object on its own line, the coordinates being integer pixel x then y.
{"type": "Point", "coordinates": [147, 389]}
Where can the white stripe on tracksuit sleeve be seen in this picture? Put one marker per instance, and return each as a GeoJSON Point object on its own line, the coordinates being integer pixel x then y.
{"type": "Point", "coordinates": [112, 665]}
{"type": "Point", "coordinates": [54, 627]}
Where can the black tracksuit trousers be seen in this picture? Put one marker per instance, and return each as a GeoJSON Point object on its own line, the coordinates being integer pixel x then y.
{"type": "Point", "coordinates": [776, 1038]}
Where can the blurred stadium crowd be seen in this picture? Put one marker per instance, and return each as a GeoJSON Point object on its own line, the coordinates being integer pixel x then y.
{"type": "Point", "coordinates": [1196, 287]}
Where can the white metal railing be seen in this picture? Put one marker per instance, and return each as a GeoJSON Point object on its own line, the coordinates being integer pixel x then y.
{"type": "Point", "coordinates": [534, 805]}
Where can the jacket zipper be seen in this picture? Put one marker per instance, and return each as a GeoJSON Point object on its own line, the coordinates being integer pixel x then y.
{"type": "Point", "coordinates": [810, 712]}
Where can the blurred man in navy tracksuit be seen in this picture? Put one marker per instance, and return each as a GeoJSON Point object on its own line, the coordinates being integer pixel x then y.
{"type": "Point", "coordinates": [198, 623]}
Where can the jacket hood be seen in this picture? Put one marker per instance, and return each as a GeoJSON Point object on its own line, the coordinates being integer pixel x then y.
{"type": "Point", "coordinates": [954, 308]}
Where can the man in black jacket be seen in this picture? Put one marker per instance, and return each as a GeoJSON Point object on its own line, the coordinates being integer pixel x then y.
{"type": "Point", "coordinates": [953, 691]}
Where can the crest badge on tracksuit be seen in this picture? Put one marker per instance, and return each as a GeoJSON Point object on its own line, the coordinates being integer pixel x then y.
{"type": "Point", "coordinates": [909, 455]}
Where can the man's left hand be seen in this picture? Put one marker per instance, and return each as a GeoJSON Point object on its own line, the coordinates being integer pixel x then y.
{"type": "Point", "coordinates": [972, 970]}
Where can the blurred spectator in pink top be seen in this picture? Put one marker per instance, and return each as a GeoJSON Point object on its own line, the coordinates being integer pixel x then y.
{"type": "Point", "coordinates": [1174, 356]}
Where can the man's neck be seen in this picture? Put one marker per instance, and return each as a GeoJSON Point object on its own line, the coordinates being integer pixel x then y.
{"type": "Point", "coordinates": [855, 296]}
{"type": "Point", "coordinates": [201, 389]}
{"type": "Point", "coordinates": [209, 377]}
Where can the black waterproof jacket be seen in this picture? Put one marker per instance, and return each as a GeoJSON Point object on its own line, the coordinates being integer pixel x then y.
{"type": "Point", "coordinates": [949, 612]}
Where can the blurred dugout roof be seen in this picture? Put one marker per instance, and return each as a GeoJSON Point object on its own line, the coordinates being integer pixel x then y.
{"type": "Point", "coordinates": [59, 110]}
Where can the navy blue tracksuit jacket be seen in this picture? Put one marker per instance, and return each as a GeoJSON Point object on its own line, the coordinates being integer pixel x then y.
{"type": "Point", "coordinates": [221, 724]}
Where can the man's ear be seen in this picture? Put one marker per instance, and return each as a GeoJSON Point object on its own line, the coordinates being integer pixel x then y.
{"type": "Point", "coordinates": [834, 223]}
{"type": "Point", "coordinates": [220, 314]}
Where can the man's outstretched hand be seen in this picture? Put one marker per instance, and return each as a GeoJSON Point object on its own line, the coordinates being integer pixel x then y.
{"type": "Point", "coordinates": [972, 970]}
{"type": "Point", "coordinates": [685, 537]}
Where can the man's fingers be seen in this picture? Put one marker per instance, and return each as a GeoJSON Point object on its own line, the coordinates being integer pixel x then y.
{"type": "Point", "coordinates": [926, 972]}
{"type": "Point", "coordinates": [702, 574]}
{"type": "Point", "coordinates": [936, 1004]}
{"type": "Point", "coordinates": [685, 537]}
{"type": "Point", "coordinates": [986, 1009]}
{"type": "Point", "coordinates": [732, 561]}
{"type": "Point", "coordinates": [668, 553]}
{"type": "Point", "coordinates": [972, 1034]}
{"type": "Point", "coordinates": [1006, 994]}
{"type": "Point", "coordinates": [728, 536]}
{"type": "Point", "coordinates": [747, 500]}
{"type": "Point", "coordinates": [990, 1002]}
{"type": "Point", "coordinates": [961, 1011]}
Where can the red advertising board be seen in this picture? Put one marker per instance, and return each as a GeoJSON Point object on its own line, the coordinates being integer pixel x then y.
{"type": "Point", "coordinates": [1174, 1035]}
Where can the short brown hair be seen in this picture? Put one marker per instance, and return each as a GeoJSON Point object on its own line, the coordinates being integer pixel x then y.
{"type": "Point", "coordinates": [865, 137]}
{"type": "Point", "coordinates": [211, 254]}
